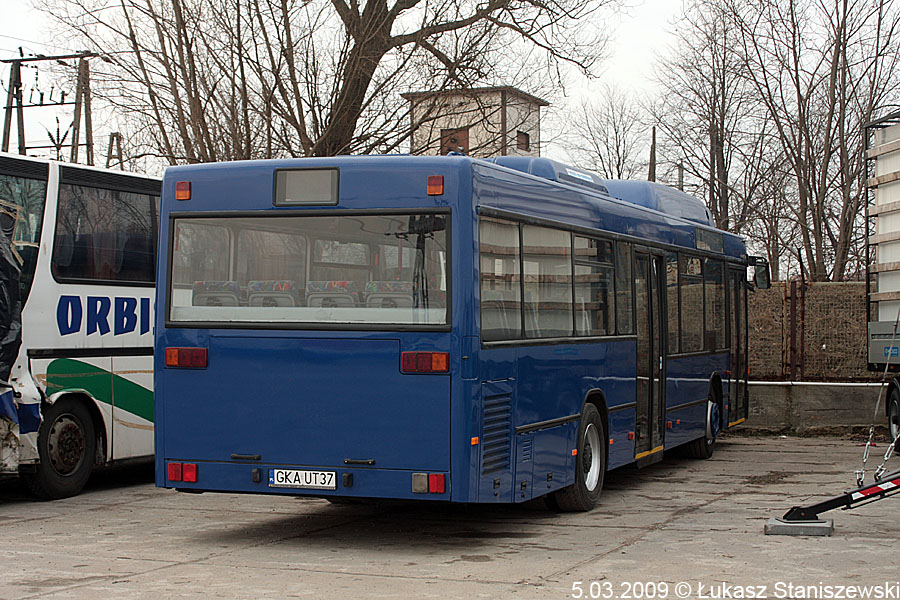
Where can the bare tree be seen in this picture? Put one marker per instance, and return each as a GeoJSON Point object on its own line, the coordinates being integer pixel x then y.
{"type": "Point", "coordinates": [608, 135]}
{"type": "Point", "coordinates": [821, 69]}
{"type": "Point", "coordinates": [706, 113]}
{"type": "Point", "coordinates": [230, 79]}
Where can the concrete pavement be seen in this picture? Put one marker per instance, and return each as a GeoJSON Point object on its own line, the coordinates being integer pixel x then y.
{"type": "Point", "coordinates": [680, 528]}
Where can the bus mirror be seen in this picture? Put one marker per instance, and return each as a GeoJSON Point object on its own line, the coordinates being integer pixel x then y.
{"type": "Point", "coordinates": [761, 273]}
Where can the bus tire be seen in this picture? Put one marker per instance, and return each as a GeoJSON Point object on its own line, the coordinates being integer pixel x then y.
{"type": "Point", "coordinates": [704, 447]}
{"type": "Point", "coordinates": [590, 465]}
{"type": "Point", "coordinates": [893, 414]}
{"type": "Point", "coordinates": [67, 445]}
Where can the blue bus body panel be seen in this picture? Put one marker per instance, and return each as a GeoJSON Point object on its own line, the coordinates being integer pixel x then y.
{"type": "Point", "coordinates": [312, 399]}
{"type": "Point", "coordinates": [285, 398]}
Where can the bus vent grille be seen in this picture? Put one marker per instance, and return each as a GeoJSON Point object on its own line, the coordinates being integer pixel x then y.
{"type": "Point", "coordinates": [496, 440]}
{"type": "Point", "coordinates": [526, 444]}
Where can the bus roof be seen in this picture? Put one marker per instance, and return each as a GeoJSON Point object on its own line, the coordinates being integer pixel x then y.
{"type": "Point", "coordinates": [548, 190]}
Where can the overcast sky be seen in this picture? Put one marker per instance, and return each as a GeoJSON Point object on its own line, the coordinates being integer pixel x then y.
{"type": "Point", "coordinates": [640, 33]}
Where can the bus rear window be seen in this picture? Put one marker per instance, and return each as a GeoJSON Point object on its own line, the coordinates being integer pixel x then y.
{"type": "Point", "coordinates": [318, 270]}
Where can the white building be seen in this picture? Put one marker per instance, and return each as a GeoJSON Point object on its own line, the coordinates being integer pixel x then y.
{"type": "Point", "coordinates": [480, 122]}
{"type": "Point", "coordinates": [884, 244]}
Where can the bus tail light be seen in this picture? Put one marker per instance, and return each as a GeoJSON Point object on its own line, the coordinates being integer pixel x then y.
{"type": "Point", "coordinates": [424, 362]}
{"type": "Point", "coordinates": [189, 472]}
{"type": "Point", "coordinates": [436, 483]}
{"type": "Point", "coordinates": [182, 190]}
{"type": "Point", "coordinates": [186, 358]}
{"type": "Point", "coordinates": [183, 472]}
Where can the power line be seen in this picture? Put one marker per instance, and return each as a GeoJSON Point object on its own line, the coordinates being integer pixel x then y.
{"type": "Point", "coordinates": [36, 43]}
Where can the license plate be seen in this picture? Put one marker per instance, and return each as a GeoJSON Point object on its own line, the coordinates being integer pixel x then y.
{"type": "Point", "coordinates": [292, 478]}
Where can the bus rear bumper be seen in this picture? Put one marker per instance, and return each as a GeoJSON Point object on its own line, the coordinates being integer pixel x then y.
{"type": "Point", "coordinates": [303, 480]}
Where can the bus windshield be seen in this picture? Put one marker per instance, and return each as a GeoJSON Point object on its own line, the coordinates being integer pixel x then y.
{"type": "Point", "coordinates": [346, 269]}
{"type": "Point", "coordinates": [21, 215]}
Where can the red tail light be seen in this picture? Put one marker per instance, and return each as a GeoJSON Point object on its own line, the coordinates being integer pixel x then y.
{"type": "Point", "coordinates": [186, 358]}
{"type": "Point", "coordinates": [436, 483]}
{"type": "Point", "coordinates": [189, 472]}
{"type": "Point", "coordinates": [424, 362]}
{"type": "Point", "coordinates": [174, 471]}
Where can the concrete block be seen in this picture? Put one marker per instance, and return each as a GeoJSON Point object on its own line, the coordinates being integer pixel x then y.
{"type": "Point", "coordinates": [780, 527]}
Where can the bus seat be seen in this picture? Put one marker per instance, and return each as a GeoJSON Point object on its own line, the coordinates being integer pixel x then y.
{"type": "Point", "coordinates": [272, 292]}
{"type": "Point", "coordinates": [389, 294]}
{"type": "Point", "coordinates": [341, 294]}
{"type": "Point", "coordinates": [215, 293]}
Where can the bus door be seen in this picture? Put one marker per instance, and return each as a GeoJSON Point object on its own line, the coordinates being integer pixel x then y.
{"type": "Point", "coordinates": [737, 332]}
{"type": "Point", "coordinates": [651, 375]}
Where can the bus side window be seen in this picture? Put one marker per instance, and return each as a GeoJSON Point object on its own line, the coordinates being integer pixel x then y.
{"type": "Point", "coordinates": [501, 318]}
{"type": "Point", "coordinates": [690, 282]}
{"type": "Point", "coordinates": [595, 312]}
{"type": "Point", "coordinates": [548, 281]}
{"type": "Point", "coordinates": [624, 307]}
{"type": "Point", "coordinates": [104, 235]}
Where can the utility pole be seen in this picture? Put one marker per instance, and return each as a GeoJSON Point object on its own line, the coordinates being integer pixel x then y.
{"type": "Point", "coordinates": [115, 138]}
{"type": "Point", "coordinates": [82, 100]}
{"type": "Point", "coordinates": [14, 95]}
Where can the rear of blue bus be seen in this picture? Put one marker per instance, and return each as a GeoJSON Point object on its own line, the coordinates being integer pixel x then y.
{"type": "Point", "coordinates": [304, 341]}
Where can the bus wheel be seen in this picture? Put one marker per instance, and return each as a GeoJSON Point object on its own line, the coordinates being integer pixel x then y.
{"type": "Point", "coordinates": [894, 415]}
{"type": "Point", "coordinates": [704, 447]}
{"type": "Point", "coordinates": [590, 464]}
{"type": "Point", "coordinates": [67, 444]}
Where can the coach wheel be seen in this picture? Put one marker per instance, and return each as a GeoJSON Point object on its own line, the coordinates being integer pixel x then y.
{"type": "Point", "coordinates": [67, 444]}
{"type": "Point", "coordinates": [590, 464]}
{"type": "Point", "coordinates": [894, 414]}
{"type": "Point", "coordinates": [704, 447]}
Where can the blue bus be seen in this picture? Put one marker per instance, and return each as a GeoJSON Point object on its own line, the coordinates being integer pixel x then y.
{"type": "Point", "coordinates": [438, 328]}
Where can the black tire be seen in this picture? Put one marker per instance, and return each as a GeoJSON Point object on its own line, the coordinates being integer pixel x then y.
{"type": "Point", "coordinates": [590, 464]}
{"type": "Point", "coordinates": [704, 447]}
{"type": "Point", "coordinates": [67, 446]}
{"type": "Point", "coordinates": [893, 415]}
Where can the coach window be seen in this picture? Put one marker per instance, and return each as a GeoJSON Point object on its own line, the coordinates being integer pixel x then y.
{"type": "Point", "coordinates": [501, 315]}
{"type": "Point", "coordinates": [714, 278]}
{"type": "Point", "coordinates": [672, 300]}
{"type": "Point", "coordinates": [547, 270]}
{"type": "Point", "coordinates": [624, 312]}
{"type": "Point", "coordinates": [691, 286]}
{"type": "Point", "coordinates": [594, 287]}
{"type": "Point", "coordinates": [104, 235]}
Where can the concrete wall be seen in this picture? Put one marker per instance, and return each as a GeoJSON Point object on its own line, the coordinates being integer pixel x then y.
{"type": "Point", "coordinates": [808, 407]}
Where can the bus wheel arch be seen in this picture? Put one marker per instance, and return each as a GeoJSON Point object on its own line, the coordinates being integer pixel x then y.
{"type": "Point", "coordinates": [717, 394]}
{"type": "Point", "coordinates": [71, 441]}
{"type": "Point", "coordinates": [704, 446]}
{"type": "Point", "coordinates": [591, 458]}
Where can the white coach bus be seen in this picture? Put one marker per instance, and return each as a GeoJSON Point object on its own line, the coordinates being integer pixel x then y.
{"type": "Point", "coordinates": [80, 387]}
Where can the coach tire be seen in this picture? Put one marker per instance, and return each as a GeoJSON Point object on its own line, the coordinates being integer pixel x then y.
{"type": "Point", "coordinates": [590, 464]}
{"type": "Point", "coordinates": [67, 445]}
{"type": "Point", "coordinates": [703, 447]}
{"type": "Point", "coordinates": [894, 415]}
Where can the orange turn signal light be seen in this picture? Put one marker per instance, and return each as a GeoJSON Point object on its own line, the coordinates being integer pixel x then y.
{"type": "Point", "coordinates": [435, 185]}
{"type": "Point", "coordinates": [183, 190]}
